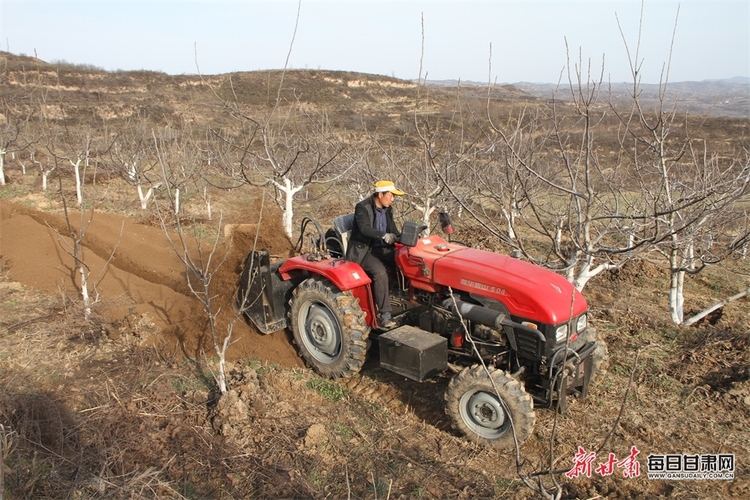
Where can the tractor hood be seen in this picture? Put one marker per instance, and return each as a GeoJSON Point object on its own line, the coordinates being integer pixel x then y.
{"type": "Point", "coordinates": [527, 290]}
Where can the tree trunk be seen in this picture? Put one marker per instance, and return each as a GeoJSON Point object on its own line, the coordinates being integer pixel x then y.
{"type": "Point", "coordinates": [714, 307]}
{"type": "Point", "coordinates": [288, 216]}
{"type": "Point", "coordinates": [2, 167]}
{"type": "Point", "coordinates": [78, 257]}
{"type": "Point", "coordinates": [2, 461]}
{"type": "Point", "coordinates": [45, 176]}
{"type": "Point", "coordinates": [288, 213]}
{"type": "Point", "coordinates": [79, 191]}
{"type": "Point", "coordinates": [510, 221]}
{"type": "Point", "coordinates": [207, 200]}
{"type": "Point", "coordinates": [676, 287]}
{"type": "Point", "coordinates": [142, 198]}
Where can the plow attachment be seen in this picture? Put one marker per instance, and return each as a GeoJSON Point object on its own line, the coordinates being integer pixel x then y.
{"type": "Point", "coordinates": [262, 294]}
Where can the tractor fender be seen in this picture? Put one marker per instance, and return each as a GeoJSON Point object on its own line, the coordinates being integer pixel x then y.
{"type": "Point", "coordinates": [345, 275]}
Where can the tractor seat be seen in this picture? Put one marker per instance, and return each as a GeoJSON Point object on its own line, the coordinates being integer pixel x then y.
{"type": "Point", "coordinates": [343, 226]}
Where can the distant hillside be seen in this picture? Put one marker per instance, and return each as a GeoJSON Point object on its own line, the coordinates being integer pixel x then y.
{"type": "Point", "coordinates": [350, 101]}
{"type": "Point", "coordinates": [721, 98]}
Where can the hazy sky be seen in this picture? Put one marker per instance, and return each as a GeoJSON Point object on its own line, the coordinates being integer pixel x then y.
{"type": "Point", "coordinates": [528, 38]}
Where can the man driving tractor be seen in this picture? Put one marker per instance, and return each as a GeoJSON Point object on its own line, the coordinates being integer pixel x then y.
{"type": "Point", "coordinates": [371, 244]}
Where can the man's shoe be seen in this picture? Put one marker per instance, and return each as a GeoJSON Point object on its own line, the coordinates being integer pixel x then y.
{"type": "Point", "coordinates": [385, 322]}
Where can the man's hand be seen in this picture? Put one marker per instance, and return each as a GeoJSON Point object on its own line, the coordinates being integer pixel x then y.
{"type": "Point", "coordinates": [389, 238]}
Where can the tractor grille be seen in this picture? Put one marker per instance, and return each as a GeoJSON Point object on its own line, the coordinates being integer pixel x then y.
{"type": "Point", "coordinates": [530, 346]}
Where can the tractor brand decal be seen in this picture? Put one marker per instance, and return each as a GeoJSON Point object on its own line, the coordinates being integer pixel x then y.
{"type": "Point", "coordinates": [355, 275]}
{"type": "Point", "coordinates": [484, 287]}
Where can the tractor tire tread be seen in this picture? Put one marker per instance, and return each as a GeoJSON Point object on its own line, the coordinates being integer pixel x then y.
{"type": "Point", "coordinates": [518, 401]}
{"type": "Point", "coordinates": [351, 319]}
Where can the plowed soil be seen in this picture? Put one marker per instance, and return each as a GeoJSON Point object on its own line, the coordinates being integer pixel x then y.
{"type": "Point", "coordinates": [138, 274]}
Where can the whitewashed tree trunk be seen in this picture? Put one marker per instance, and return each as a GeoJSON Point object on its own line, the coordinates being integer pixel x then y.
{"type": "Point", "coordinates": [570, 273]}
{"type": "Point", "coordinates": [581, 270]}
{"type": "Point", "coordinates": [222, 377]}
{"type": "Point", "coordinates": [510, 219]}
{"type": "Point", "coordinates": [20, 162]}
{"type": "Point", "coordinates": [676, 286]}
{"type": "Point", "coordinates": [429, 206]}
{"type": "Point", "coordinates": [43, 171]}
{"type": "Point", "coordinates": [144, 198]}
{"type": "Point", "coordinates": [631, 238]}
{"type": "Point", "coordinates": [558, 233]}
{"type": "Point", "coordinates": [79, 189]}
{"type": "Point", "coordinates": [427, 214]}
{"type": "Point", "coordinates": [587, 272]}
{"type": "Point", "coordinates": [84, 289]}
{"type": "Point", "coordinates": [714, 307]}
{"type": "Point", "coordinates": [2, 166]}
{"type": "Point", "coordinates": [45, 176]}
{"type": "Point", "coordinates": [288, 215]}
{"type": "Point", "coordinates": [426, 211]}
{"type": "Point", "coordinates": [207, 201]}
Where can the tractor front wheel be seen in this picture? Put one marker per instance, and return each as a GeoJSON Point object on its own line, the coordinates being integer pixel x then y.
{"type": "Point", "coordinates": [490, 408]}
{"type": "Point", "coordinates": [329, 328]}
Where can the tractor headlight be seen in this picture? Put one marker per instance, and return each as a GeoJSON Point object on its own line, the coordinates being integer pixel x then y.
{"type": "Point", "coordinates": [582, 323]}
{"type": "Point", "coordinates": [561, 333]}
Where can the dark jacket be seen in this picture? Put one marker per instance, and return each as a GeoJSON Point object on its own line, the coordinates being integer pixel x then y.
{"type": "Point", "coordinates": [364, 232]}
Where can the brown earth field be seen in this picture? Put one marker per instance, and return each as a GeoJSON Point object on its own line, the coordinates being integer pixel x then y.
{"type": "Point", "coordinates": [125, 405]}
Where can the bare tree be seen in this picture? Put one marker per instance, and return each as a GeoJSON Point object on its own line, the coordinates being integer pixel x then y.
{"type": "Point", "coordinates": [133, 158]}
{"type": "Point", "coordinates": [449, 141]}
{"type": "Point", "coordinates": [286, 147]}
{"type": "Point", "coordinates": [502, 188]}
{"type": "Point", "coordinates": [46, 168]}
{"type": "Point", "coordinates": [689, 191]}
{"type": "Point", "coordinates": [76, 230]}
{"type": "Point", "coordinates": [180, 163]}
{"type": "Point", "coordinates": [201, 267]}
{"type": "Point", "coordinates": [80, 162]}
{"type": "Point", "coordinates": [15, 114]}
{"type": "Point", "coordinates": [203, 262]}
{"type": "Point", "coordinates": [287, 152]}
{"type": "Point", "coordinates": [547, 179]}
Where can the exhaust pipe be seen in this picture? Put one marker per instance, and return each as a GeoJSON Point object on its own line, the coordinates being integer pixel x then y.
{"type": "Point", "coordinates": [487, 317]}
{"type": "Point", "coordinates": [477, 314]}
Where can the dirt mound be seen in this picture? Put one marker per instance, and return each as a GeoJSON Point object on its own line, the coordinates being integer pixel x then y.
{"type": "Point", "coordinates": [140, 280]}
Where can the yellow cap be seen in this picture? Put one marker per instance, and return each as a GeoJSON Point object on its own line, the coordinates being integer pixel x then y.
{"type": "Point", "coordinates": [383, 186]}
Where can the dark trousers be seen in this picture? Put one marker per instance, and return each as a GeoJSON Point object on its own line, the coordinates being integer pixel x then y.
{"type": "Point", "coordinates": [376, 264]}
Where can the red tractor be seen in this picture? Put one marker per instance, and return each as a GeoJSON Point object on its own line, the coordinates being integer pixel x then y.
{"type": "Point", "coordinates": [515, 334]}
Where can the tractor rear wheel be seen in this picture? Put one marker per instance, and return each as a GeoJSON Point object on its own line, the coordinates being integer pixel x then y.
{"type": "Point", "coordinates": [483, 408]}
{"type": "Point", "coordinates": [329, 328]}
